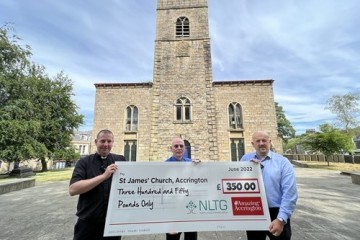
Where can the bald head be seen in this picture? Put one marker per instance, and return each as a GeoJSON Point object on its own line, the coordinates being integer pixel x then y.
{"type": "Point", "coordinates": [177, 148]}
{"type": "Point", "coordinates": [260, 134]}
{"type": "Point", "coordinates": [261, 142]}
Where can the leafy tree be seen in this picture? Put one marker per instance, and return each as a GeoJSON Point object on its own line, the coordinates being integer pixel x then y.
{"type": "Point", "coordinates": [37, 114]}
{"type": "Point", "coordinates": [292, 145]}
{"type": "Point", "coordinates": [59, 115]}
{"type": "Point", "coordinates": [329, 141]}
{"type": "Point", "coordinates": [285, 130]}
{"type": "Point", "coordinates": [18, 140]}
{"type": "Point", "coordinates": [68, 154]}
{"type": "Point", "coordinates": [18, 131]}
{"type": "Point", "coordinates": [346, 108]}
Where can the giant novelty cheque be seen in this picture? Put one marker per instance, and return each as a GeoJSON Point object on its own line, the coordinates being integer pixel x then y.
{"type": "Point", "coordinates": [159, 197]}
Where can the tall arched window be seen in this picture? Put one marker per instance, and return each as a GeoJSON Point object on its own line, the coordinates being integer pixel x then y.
{"type": "Point", "coordinates": [130, 150]}
{"type": "Point", "coordinates": [187, 152]}
{"type": "Point", "coordinates": [235, 116]}
{"type": "Point", "coordinates": [183, 109]}
{"type": "Point", "coordinates": [131, 118]}
{"type": "Point", "coordinates": [182, 27]}
{"type": "Point", "coordinates": [237, 148]}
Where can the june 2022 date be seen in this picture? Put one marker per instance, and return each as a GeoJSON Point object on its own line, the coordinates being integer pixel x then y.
{"type": "Point", "coordinates": [240, 169]}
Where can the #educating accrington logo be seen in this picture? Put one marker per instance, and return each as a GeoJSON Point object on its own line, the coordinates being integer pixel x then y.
{"type": "Point", "coordinates": [191, 207]}
{"type": "Point", "coordinates": [247, 206]}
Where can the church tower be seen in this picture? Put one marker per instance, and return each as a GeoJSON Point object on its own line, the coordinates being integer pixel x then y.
{"type": "Point", "coordinates": [214, 118]}
{"type": "Point", "coordinates": [183, 97]}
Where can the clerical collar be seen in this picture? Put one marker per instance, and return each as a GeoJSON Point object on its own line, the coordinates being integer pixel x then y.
{"type": "Point", "coordinates": [102, 157]}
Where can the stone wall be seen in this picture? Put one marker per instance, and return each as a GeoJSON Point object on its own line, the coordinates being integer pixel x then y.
{"type": "Point", "coordinates": [182, 68]}
{"type": "Point", "coordinates": [321, 158]}
{"type": "Point", "coordinates": [111, 102]}
{"type": "Point", "coordinates": [7, 187]}
{"type": "Point", "coordinates": [258, 108]}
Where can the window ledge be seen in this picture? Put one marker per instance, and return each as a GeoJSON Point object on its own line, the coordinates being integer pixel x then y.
{"type": "Point", "coordinates": [130, 131]}
{"type": "Point", "coordinates": [236, 130]}
{"type": "Point", "coordinates": [183, 122]}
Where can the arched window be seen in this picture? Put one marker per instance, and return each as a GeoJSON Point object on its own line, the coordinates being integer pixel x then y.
{"type": "Point", "coordinates": [237, 148]}
{"type": "Point", "coordinates": [235, 116]}
{"type": "Point", "coordinates": [130, 150]}
{"type": "Point", "coordinates": [131, 118]}
{"type": "Point", "coordinates": [187, 152]}
{"type": "Point", "coordinates": [182, 27]}
{"type": "Point", "coordinates": [183, 109]}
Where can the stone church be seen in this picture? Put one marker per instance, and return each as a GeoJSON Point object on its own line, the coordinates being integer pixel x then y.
{"type": "Point", "coordinates": [216, 119]}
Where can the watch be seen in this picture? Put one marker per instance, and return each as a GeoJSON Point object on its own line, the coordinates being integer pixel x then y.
{"type": "Point", "coordinates": [282, 220]}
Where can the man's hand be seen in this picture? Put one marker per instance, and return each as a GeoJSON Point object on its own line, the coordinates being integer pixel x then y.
{"type": "Point", "coordinates": [110, 170]}
{"type": "Point", "coordinates": [257, 161]}
{"type": "Point", "coordinates": [196, 161]}
{"type": "Point", "coordinates": [276, 227]}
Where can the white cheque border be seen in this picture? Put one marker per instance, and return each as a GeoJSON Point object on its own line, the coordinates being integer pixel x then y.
{"type": "Point", "coordinates": [160, 197]}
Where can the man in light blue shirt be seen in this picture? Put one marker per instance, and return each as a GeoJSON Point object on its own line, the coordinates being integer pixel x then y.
{"type": "Point", "coordinates": [280, 187]}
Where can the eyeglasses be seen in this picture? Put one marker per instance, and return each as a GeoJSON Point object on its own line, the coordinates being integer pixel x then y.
{"type": "Point", "coordinates": [178, 146]}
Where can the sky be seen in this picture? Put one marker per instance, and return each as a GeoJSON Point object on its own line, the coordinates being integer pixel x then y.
{"type": "Point", "coordinates": [311, 48]}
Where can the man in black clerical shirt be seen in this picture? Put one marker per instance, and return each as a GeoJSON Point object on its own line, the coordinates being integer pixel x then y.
{"type": "Point", "coordinates": [91, 179]}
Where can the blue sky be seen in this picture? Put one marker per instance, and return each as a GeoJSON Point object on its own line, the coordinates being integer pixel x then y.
{"type": "Point", "coordinates": [311, 48]}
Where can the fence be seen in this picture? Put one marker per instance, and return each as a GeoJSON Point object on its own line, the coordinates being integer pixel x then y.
{"type": "Point", "coordinates": [321, 158]}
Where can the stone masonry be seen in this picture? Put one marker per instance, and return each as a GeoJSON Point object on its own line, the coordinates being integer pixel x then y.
{"type": "Point", "coordinates": [182, 70]}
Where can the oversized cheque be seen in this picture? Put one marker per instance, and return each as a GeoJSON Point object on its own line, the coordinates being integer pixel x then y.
{"type": "Point", "coordinates": [160, 197]}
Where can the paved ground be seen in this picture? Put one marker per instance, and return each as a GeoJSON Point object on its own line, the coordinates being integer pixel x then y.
{"type": "Point", "coordinates": [328, 209]}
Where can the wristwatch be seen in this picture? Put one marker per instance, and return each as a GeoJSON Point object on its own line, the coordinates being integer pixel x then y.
{"type": "Point", "coordinates": [282, 220]}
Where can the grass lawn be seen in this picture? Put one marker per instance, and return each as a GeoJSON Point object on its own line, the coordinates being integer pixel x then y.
{"type": "Point", "coordinates": [51, 175]}
{"type": "Point", "coordinates": [54, 175]}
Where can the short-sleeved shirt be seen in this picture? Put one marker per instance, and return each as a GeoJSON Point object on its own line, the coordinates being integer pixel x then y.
{"type": "Point", "coordinates": [92, 205]}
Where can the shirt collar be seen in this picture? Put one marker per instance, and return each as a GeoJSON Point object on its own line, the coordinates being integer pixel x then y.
{"type": "Point", "coordinates": [268, 156]}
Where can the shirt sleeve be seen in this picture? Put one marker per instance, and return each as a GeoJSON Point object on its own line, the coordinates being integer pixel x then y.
{"type": "Point", "coordinates": [79, 172]}
{"type": "Point", "coordinates": [289, 191]}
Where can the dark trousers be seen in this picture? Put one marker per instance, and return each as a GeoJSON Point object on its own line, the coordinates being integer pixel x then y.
{"type": "Point", "coordinates": [188, 236]}
{"type": "Point", "coordinates": [261, 235]}
{"type": "Point", "coordinates": [85, 230]}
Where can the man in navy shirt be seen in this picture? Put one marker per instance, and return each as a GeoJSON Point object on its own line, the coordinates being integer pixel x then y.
{"type": "Point", "coordinates": [280, 187]}
{"type": "Point", "coordinates": [178, 149]}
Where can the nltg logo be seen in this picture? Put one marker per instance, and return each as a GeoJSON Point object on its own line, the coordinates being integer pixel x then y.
{"type": "Point", "coordinates": [191, 207]}
{"type": "Point", "coordinates": [213, 205]}
{"type": "Point", "coordinates": [207, 206]}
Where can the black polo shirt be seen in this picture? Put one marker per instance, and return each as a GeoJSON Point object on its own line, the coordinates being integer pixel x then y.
{"type": "Point", "coordinates": [92, 205]}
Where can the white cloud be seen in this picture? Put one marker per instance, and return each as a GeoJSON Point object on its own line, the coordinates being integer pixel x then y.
{"type": "Point", "coordinates": [310, 48]}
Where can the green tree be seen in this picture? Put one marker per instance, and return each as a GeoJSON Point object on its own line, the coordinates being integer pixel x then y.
{"type": "Point", "coordinates": [18, 132]}
{"type": "Point", "coordinates": [37, 114]}
{"type": "Point", "coordinates": [346, 108]}
{"type": "Point", "coordinates": [328, 141]}
{"type": "Point", "coordinates": [58, 116]}
{"type": "Point", "coordinates": [285, 130]}
{"type": "Point", "coordinates": [293, 145]}
{"type": "Point", "coordinates": [68, 154]}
